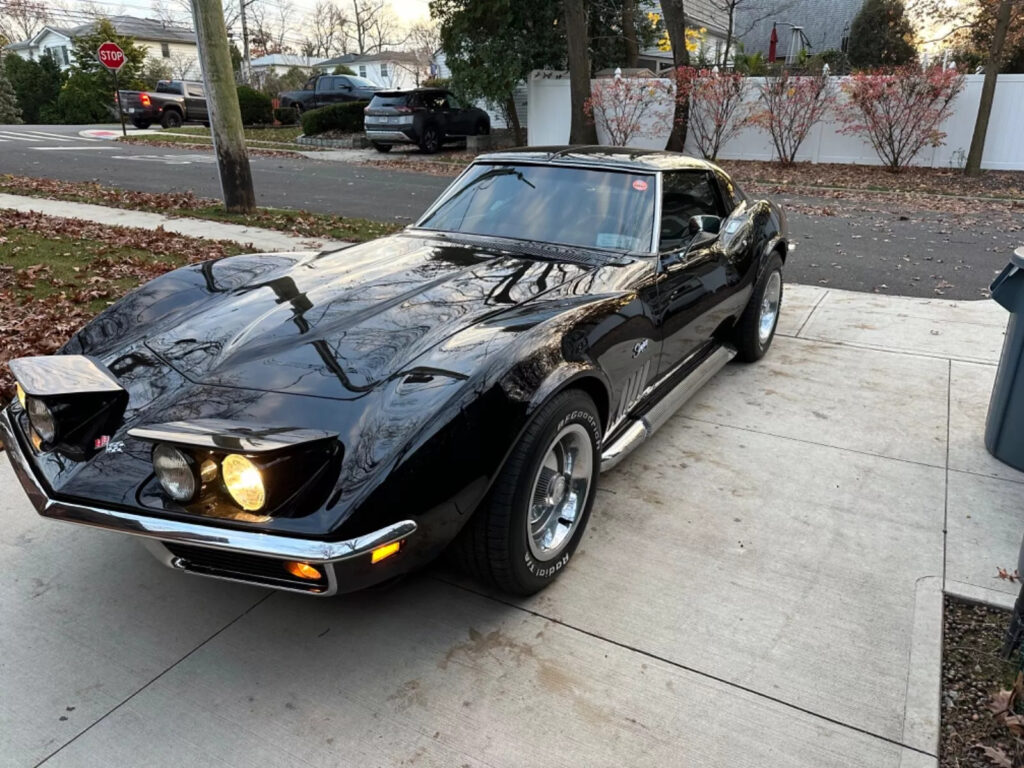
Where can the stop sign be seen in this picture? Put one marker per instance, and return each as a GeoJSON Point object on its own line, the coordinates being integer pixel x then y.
{"type": "Point", "coordinates": [111, 56]}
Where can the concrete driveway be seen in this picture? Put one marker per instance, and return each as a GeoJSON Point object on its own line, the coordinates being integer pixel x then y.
{"type": "Point", "coordinates": [761, 585]}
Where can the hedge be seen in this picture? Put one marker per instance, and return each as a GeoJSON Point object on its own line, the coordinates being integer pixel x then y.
{"type": "Point", "coordinates": [346, 117]}
{"type": "Point", "coordinates": [286, 115]}
{"type": "Point", "coordinates": [256, 107]}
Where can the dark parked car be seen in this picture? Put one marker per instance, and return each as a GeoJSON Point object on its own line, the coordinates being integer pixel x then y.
{"type": "Point", "coordinates": [172, 104]}
{"type": "Point", "coordinates": [428, 117]}
{"type": "Point", "coordinates": [321, 422]}
{"type": "Point", "coordinates": [323, 90]}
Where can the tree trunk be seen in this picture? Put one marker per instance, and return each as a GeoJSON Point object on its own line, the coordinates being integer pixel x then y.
{"type": "Point", "coordinates": [724, 62]}
{"type": "Point", "coordinates": [513, 118]}
{"type": "Point", "coordinates": [988, 89]}
{"type": "Point", "coordinates": [675, 24]}
{"type": "Point", "coordinates": [629, 33]}
{"type": "Point", "coordinates": [581, 130]}
{"type": "Point", "coordinates": [222, 102]}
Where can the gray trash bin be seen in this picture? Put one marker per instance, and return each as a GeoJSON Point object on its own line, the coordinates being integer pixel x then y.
{"type": "Point", "coordinates": [1004, 428]}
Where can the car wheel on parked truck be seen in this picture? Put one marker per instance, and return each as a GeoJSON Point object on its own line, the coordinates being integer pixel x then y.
{"type": "Point", "coordinates": [171, 119]}
{"type": "Point", "coordinates": [381, 147]}
{"type": "Point", "coordinates": [529, 526]}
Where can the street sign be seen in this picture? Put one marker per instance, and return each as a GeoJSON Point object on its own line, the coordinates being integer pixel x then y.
{"type": "Point", "coordinates": [111, 56]}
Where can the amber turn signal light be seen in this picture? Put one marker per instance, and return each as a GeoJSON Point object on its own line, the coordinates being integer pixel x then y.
{"type": "Point", "coordinates": [303, 571]}
{"type": "Point", "coordinates": [382, 553]}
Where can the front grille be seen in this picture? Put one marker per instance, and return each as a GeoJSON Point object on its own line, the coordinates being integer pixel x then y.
{"type": "Point", "coordinates": [251, 568]}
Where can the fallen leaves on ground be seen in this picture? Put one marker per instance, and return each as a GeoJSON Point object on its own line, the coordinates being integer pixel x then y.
{"type": "Point", "coordinates": [113, 260]}
{"type": "Point", "coordinates": [301, 223]}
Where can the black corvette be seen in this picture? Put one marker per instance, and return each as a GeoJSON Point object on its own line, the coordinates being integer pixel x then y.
{"type": "Point", "coordinates": [321, 422]}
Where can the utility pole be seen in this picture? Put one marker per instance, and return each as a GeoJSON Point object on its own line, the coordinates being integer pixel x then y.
{"type": "Point", "coordinates": [222, 103]}
{"type": "Point", "coordinates": [242, 5]}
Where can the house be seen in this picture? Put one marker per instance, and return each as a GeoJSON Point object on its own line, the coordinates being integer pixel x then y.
{"type": "Point", "coordinates": [277, 64]}
{"type": "Point", "coordinates": [397, 70]}
{"type": "Point", "coordinates": [706, 15]}
{"type": "Point", "coordinates": [281, 63]}
{"type": "Point", "coordinates": [811, 25]}
{"type": "Point", "coordinates": [175, 45]}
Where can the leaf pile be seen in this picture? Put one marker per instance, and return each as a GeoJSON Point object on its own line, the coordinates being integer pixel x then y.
{"type": "Point", "coordinates": [56, 273]}
{"type": "Point", "coordinates": [812, 177]}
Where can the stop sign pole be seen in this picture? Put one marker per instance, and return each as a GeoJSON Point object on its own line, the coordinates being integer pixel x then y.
{"type": "Point", "coordinates": [112, 57]}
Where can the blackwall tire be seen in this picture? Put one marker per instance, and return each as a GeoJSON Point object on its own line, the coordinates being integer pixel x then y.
{"type": "Point", "coordinates": [756, 327]}
{"type": "Point", "coordinates": [527, 530]}
{"type": "Point", "coordinates": [171, 119]}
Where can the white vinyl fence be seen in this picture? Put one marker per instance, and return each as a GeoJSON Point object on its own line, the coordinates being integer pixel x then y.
{"type": "Point", "coordinates": [548, 100]}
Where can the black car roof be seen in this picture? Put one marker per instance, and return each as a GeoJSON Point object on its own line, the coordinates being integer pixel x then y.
{"type": "Point", "coordinates": [625, 158]}
{"type": "Point", "coordinates": [412, 90]}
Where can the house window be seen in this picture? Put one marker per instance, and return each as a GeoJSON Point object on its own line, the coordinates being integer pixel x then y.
{"type": "Point", "coordinates": [165, 50]}
{"type": "Point", "coordinates": [62, 55]}
{"type": "Point", "coordinates": [384, 70]}
{"type": "Point", "coordinates": [362, 70]}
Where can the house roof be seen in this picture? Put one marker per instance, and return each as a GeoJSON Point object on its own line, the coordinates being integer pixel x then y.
{"type": "Point", "coordinates": [286, 60]}
{"type": "Point", "coordinates": [151, 30]}
{"type": "Point", "coordinates": [824, 23]}
{"type": "Point", "coordinates": [365, 58]}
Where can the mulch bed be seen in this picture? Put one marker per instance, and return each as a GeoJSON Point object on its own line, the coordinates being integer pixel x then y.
{"type": "Point", "coordinates": [973, 674]}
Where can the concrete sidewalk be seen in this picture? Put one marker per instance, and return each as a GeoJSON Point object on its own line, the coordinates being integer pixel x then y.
{"type": "Point", "coordinates": [259, 239]}
{"type": "Point", "coordinates": [760, 585]}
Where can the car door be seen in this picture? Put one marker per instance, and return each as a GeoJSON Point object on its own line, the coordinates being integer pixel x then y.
{"type": "Point", "coordinates": [195, 102]}
{"type": "Point", "coordinates": [457, 117]}
{"type": "Point", "coordinates": [693, 271]}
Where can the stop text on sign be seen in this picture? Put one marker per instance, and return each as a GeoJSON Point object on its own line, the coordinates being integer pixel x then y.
{"type": "Point", "coordinates": [111, 56]}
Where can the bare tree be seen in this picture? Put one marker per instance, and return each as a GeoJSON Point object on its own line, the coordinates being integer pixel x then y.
{"type": "Point", "coordinates": [269, 26]}
{"type": "Point", "coordinates": [374, 27]}
{"type": "Point", "coordinates": [422, 41]}
{"type": "Point", "coordinates": [326, 26]}
{"type": "Point", "coordinates": [22, 19]}
{"type": "Point", "coordinates": [183, 66]}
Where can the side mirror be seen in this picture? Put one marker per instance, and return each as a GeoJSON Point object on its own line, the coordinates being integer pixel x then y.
{"type": "Point", "coordinates": [707, 224]}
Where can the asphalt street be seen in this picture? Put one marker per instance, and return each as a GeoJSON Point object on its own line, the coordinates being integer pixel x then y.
{"type": "Point", "coordinates": [884, 248]}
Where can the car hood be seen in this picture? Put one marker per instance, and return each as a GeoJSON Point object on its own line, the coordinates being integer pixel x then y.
{"type": "Point", "coordinates": [338, 324]}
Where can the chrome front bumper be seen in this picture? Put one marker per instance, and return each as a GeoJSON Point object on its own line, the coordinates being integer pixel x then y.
{"type": "Point", "coordinates": [158, 530]}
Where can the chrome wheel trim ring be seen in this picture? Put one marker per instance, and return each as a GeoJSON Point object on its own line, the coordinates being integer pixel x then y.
{"type": "Point", "coordinates": [769, 307]}
{"type": "Point", "coordinates": [559, 492]}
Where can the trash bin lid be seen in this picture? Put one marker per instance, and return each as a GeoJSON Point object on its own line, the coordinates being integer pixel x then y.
{"type": "Point", "coordinates": [1017, 258]}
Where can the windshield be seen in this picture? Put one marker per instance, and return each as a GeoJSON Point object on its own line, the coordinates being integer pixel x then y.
{"type": "Point", "coordinates": [551, 204]}
{"type": "Point", "coordinates": [390, 100]}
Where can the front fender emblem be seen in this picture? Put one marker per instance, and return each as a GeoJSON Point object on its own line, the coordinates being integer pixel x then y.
{"type": "Point", "coordinates": [639, 347]}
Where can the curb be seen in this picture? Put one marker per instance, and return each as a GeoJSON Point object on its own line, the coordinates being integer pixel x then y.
{"type": "Point", "coordinates": [923, 700]}
{"type": "Point", "coordinates": [971, 593]}
{"type": "Point", "coordinates": [354, 142]}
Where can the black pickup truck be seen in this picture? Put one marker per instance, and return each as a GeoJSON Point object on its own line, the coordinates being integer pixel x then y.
{"type": "Point", "coordinates": [173, 103]}
{"type": "Point", "coordinates": [322, 90]}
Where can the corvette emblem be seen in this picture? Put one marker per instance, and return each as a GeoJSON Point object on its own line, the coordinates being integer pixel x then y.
{"type": "Point", "coordinates": [639, 347]}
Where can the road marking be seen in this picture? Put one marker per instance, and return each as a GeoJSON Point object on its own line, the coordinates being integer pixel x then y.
{"type": "Point", "coordinates": [60, 137]}
{"type": "Point", "coordinates": [57, 149]}
{"type": "Point", "coordinates": [167, 159]}
{"type": "Point", "coordinates": [18, 137]}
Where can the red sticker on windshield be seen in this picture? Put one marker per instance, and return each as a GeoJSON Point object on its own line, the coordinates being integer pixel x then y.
{"type": "Point", "coordinates": [640, 185]}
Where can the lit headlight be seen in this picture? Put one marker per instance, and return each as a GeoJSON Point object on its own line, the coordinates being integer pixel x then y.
{"type": "Point", "coordinates": [244, 482]}
{"type": "Point", "coordinates": [41, 418]}
{"type": "Point", "coordinates": [175, 472]}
